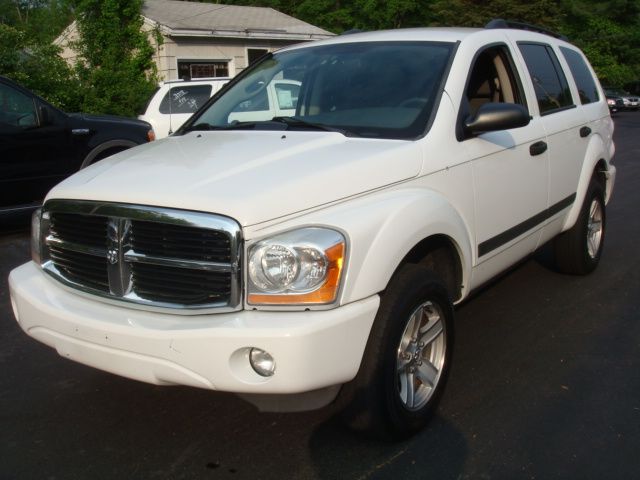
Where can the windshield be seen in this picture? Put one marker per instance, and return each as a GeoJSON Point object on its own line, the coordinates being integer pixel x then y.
{"type": "Point", "coordinates": [372, 89]}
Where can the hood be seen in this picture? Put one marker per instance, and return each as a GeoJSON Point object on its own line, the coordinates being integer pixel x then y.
{"type": "Point", "coordinates": [251, 176]}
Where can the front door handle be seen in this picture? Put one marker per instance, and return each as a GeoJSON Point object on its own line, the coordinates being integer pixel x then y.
{"type": "Point", "coordinates": [538, 148]}
{"type": "Point", "coordinates": [585, 132]}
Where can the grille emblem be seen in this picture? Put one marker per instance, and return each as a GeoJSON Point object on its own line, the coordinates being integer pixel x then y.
{"type": "Point", "coordinates": [112, 256]}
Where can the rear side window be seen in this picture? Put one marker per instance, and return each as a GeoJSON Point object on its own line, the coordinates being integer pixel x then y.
{"type": "Point", "coordinates": [549, 82]}
{"type": "Point", "coordinates": [185, 99]}
{"type": "Point", "coordinates": [587, 88]}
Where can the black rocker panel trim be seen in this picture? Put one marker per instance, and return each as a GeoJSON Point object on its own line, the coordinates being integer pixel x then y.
{"type": "Point", "coordinates": [514, 232]}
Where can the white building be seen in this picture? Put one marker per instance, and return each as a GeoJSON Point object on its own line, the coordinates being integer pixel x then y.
{"type": "Point", "coordinates": [209, 39]}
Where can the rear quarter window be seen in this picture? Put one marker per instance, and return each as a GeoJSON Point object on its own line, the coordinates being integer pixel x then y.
{"type": "Point", "coordinates": [585, 82]}
{"type": "Point", "coordinates": [185, 99]}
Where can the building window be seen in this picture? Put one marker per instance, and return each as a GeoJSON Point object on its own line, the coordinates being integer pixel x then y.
{"type": "Point", "coordinates": [189, 69]}
{"type": "Point", "coordinates": [255, 54]}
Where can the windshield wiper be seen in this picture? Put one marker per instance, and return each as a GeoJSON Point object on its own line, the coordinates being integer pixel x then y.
{"type": "Point", "coordinates": [296, 122]}
{"type": "Point", "coordinates": [276, 123]}
{"type": "Point", "coordinates": [207, 126]}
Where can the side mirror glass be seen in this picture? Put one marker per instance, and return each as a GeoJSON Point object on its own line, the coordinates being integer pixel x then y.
{"type": "Point", "coordinates": [492, 117]}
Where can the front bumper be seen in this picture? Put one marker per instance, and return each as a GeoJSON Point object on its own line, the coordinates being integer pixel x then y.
{"type": "Point", "coordinates": [312, 350]}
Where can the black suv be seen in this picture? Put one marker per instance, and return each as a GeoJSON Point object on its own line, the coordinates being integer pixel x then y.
{"type": "Point", "coordinates": [41, 145]}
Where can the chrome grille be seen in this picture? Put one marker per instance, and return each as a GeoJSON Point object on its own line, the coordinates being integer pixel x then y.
{"type": "Point", "coordinates": [189, 287]}
{"type": "Point", "coordinates": [81, 268]}
{"type": "Point", "coordinates": [150, 256]}
{"type": "Point", "coordinates": [190, 243]}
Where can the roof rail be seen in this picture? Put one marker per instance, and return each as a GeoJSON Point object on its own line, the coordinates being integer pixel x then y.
{"type": "Point", "coordinates": [500, 23]}
{"type": "Point", "coordinates": [352, 31]}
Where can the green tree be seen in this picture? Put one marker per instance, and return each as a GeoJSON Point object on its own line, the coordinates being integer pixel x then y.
{"type": "Point", "coordinates": [477, 13]}
{"type": "Point", "coordinates": [609, 34]}
{"type": "Point", "coordinates": [115, 64]}
{"type": "Point", "coordinates": [37, 67]}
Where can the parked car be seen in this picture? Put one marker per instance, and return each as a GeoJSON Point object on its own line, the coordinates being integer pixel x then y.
{"type": "Point", "coordinates": [40, 145]}
{"type": "Point", "coordinates": [175, 101]}
{"type": "Point", "coordinates": [630, 102]}
{"type": "Point", "coordinates": [615, 103]}
{"type": "Point", "coordinates": [304, 259]}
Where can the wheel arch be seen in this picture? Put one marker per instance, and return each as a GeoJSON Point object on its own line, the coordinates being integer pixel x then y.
{"type": "Point", "coordinates": [105, 146]}
{"type": "Point", "coordinates": [440, 254]}
{"type": "Point", "coordinates": [595, 165]}
{"type": "Point", "coordinates": [414, 227]}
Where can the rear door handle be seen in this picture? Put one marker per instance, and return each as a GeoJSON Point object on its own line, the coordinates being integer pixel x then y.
{"type": "Point", "coordinates": [538, 148]}
{"type": "Point", "coordinates": [585, 132]}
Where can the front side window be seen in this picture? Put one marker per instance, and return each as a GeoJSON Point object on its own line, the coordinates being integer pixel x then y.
{"type": "Point", "coordinates": [185, 99]}
{"type": "Point", "coordinates": [493, 79]}
{"type": "Point", "coordinates": [372, 89]}
{"type": "Point", "coordinates": [16, 108]}
{"type": "Point", "coordinates": [549, 82]}
{"type": "Point", "coordinates": [585, 82]}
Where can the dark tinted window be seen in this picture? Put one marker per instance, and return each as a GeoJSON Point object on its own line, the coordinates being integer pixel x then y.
{"type": "Point", "coordinates": [584, 80]}
{"type": "Point", "coordinates": [551, 87]}
{"type": "Point", "coordinates": [185, 99]}
{"type": "Point", "coordinates": [16, 108]}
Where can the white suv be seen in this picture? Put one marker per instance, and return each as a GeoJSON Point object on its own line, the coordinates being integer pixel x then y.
{"type": "Point", "coordinates": [300, 259]}
{"type": "Point", "coordinates": [175, 101]}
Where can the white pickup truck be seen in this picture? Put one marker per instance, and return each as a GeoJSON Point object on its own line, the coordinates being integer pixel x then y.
{"type": "Point", "coordinates": [301, 259]}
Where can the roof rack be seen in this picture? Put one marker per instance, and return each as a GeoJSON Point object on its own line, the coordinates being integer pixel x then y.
{"type": "Point", "coordinates": [352, 31]}
{"type": "Point", "coordinates": [500, 23]}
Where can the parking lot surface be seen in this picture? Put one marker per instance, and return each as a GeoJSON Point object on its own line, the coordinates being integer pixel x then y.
{"type": "Point", "coordinates": [544, 384]}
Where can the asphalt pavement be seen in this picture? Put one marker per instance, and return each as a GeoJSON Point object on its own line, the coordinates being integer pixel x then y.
{"type": "Point", "coordinates": [545, 384]}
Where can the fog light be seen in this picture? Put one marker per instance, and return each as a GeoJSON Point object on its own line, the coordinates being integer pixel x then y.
{"type": "Point", "coordinates": [262, 362]}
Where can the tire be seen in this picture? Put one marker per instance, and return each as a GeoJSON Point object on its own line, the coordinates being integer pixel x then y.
{"type": "Point", "coordinates": [578, 250]}
{"type": "Point", "coordinates": [401, 380]}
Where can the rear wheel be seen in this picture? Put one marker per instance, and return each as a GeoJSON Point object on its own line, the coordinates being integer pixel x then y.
{"type": "Point", "coordinates": [578, 250]}
{"type": "Point", "coordinates": [407, 358]}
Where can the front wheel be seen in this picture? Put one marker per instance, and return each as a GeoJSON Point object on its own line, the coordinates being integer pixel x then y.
{"type": "Point", "coordinates": [406, 360]}
{"type": "Point", "coordinates": [578, 250]}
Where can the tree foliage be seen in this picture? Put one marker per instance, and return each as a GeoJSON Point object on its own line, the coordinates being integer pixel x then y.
{"type": "Point", "coordinates": [37, 66]}
{"type": "Point", "coordinates": [115, 57]}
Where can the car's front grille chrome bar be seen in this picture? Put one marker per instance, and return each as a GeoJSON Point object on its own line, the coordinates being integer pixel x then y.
{"type": "Point", "coordinates": [148, 256]}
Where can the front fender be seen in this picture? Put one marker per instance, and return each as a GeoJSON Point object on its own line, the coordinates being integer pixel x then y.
{"type": "Point", "coordinates": [401, 222]}
{"type": "Point", "coordinates": [382, 228]}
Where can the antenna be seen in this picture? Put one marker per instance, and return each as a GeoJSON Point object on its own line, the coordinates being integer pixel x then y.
{"type": "Point", "coordinates": [170, 104]}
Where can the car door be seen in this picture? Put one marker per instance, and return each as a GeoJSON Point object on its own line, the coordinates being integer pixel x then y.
{"type": "Point", "coordinates": [35, 152]}
{"type": "Point", "coordinates": [510, 167]}
{"type": "Point", "coordinates": [564, 123]}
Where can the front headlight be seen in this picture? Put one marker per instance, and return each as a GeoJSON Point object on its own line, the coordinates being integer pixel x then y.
{"type": "Point", "coordinates": [36, 243]}
{"type": "Point", "coordinates": [301, 267]}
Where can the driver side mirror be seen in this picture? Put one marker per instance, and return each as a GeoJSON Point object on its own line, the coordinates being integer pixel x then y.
{"type": "Point", "coordinates": [491, 117]}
